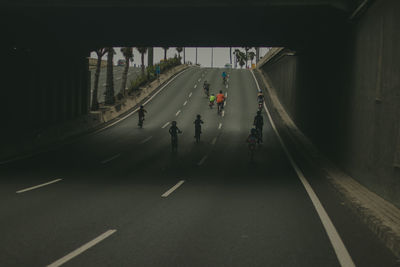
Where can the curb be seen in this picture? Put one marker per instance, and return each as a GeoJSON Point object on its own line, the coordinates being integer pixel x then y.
{"type": "Point", "coordinates": [381, 217]}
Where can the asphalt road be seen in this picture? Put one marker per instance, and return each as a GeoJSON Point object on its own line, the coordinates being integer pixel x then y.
{"type": "Point", "coordinates": [133, 73]}
{"type": "Point", "coordinates": [126, 200]}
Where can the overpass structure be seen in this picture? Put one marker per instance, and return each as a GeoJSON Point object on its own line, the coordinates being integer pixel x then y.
{"type": "Point", "coordinates": [337, 75]}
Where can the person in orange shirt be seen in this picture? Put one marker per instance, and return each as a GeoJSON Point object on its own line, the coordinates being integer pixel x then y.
{"type": "Point", "coordinates": [220, 101]}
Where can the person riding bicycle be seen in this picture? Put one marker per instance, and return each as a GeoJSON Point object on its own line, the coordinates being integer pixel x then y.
{"type": "Point", "coordinates": [220, 100]}
{"type": "Point", "coordinates": [259, 123]}
{"type": "Point", "coordinates": [173, 131]}
{"type": "Point", "coordinates": [212, 100]}
{"type": "Point", "coordinates": [252, 138]}
{"type": "Point", "coordinates": [141, 113]}
{"type": "Point", "coordinates": [197, 126]}
{"type": "Point", "coordinates": [206, 87]}
{"type": "Point", "coordinates": [260, 97]}
{"type": "Point", "coordinates": [224, 75]}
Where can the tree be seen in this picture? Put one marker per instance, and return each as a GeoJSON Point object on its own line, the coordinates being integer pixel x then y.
{"type": "Point", "coordinates": [127, 52]}
{"type": "Point", "coordinates": [110, 99]}
{"type": "Point", "coordinates": [165, 52]}
{"type": "Point", "coordinates": [100, 52]}
{"type": "Point", "coordinates": [251, 56]}
{"type": "Point", "coordinates": [179, 50]}
{"type": "Point", "coordinates": [247, 48]}
{"type": "Point", "coordinates": [142, 50]}
{"type": "Point", "coordinates": [237, 56]}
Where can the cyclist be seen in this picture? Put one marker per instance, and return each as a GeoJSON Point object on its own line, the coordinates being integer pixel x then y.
{"type": "Point", "coordinates": [259, 123]}
{"type": "Point", "coordinates": [260, 97]}
{"type": "Point", "coordinates": [252, 140]}
{"type": "Point", "coordinates": [141, 113]}
{"type": "Point", "coordinates": [224, 75]}
{"type": "Point", "coordinates": [173, 131]}
{"type": "Point", "coordinates": [212, 100]}
{"type": "Point", "coordinates": [220, 101]}
{"type": "Point", "coordinates": [197, 127]}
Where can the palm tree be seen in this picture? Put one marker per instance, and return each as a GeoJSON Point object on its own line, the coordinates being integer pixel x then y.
{"type": "Point", "coordinates": [127, 52]}
{"type": "Point", "coordinates": [247, 48]}
{"type": "Point", "coordinates": [237, 56]}
{"type": "Point", "coordinates": [179, 50]}
{"type": "Point", "coordinates": [165, 52]}
{"type": "Point", "coordinates": [100, 52]}
{"type": "Point", "coordinates": [142, 50]}
{"type": "Point", "coordinates": [110, 99]}
{"type": "Point", "coordinates": [251, 57]}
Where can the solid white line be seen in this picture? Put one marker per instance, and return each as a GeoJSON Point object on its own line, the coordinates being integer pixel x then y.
{"type": "Point", "coordinates": [223, 113]}
{"type": "Point", "coordinates": [203, 159]}
{"type": "Point", "coordinates": [190, 95]}
{"type": "Point", "coordinates": [173, 188]}
{"type": "Point", "coordinates": [177, 113]}
{"type": "Point", "coordinates": [110, 159]}
{"type": "Point", "coordinates": [165, 125]}
{"type": "Point", "coordinates": [37, 186]}
{"type": "Point", "coordinates": [219, 126]}
{"type": "Point", "coordinates": [145, 103]}
{"type": "Point", "coordinates": [185, 103]}
{"type": "Point", "coordinates": [195, 86]}
{"type": "Point", "coordinates": [82, 249]}
{"type": "Point", "coordinates": [145, 140]}
{"type": "Point", "coordinates": [214, 141]}
{"type": "Point", "coordinates": [342, 254]}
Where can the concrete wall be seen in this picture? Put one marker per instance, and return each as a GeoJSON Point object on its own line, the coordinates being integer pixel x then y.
{"type": "Point", "coordinates": [37, 91]}
{"type": "Point", "coordinates": [344, 94]}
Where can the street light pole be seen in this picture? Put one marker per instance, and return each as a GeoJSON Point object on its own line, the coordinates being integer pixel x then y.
{"type": "Point", "coordinates": [196, 55]}
{"type": "Point", "coordinates": [212, 57]}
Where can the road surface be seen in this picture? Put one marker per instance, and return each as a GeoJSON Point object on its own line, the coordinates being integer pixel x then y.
{"type": "Point", "coordinates": [119, 197]}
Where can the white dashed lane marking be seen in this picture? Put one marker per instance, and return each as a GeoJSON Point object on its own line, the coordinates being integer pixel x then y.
{"type": "Point", "coordinates": [190, 95]}
{"type": "Point", "coordinates": [203, 159]}
{"type": "Point", "coordinates": [165, 125]}
{"type": "Point", "coordinates": [145, 140]}
{"type": "Point", "coordinates": [177, 113]}
{"type": "Point", "coordinates": [195, 86]}
{"type": "Point", "coordinates": [185, 103]}
{"type": "Point", "coordinates": [219, 126]}
{"type": "Point", "coordinates": [223, 113]}
{"type": "Point", "coordinates": [38, 186]}
{"type": "Point", "coordinates": [214, 141]}
{"type": "Point", "coordinates": [199, 80]}
{"type": "Point", "coordinates": [82, 249]}
{"type": "Point", "coordinates": [110, 159]}
{"type": "Point", "coordinates": [173, 188]}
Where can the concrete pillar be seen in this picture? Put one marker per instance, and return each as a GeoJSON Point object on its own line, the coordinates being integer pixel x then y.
{"type": "Point", "coordinates": [150, 56]}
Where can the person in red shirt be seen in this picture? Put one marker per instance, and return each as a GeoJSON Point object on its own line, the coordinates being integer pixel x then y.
{"type": "Point", "coordinates": [220, 101]}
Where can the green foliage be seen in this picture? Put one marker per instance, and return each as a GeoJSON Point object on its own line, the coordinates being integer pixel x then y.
{"type": "Point", "coordinates": [151, 73]}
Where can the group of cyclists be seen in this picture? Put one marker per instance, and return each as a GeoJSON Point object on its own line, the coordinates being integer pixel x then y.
{"type": "Point", "coordinates": [254, 138]}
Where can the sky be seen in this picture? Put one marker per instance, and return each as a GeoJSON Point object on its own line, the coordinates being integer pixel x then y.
{"type": "Point", "coordinates": [221, 55]}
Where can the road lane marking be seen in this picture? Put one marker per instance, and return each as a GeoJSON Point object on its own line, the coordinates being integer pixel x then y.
{"type": "Point", "coordinates": [82, 249]}
{"type": "Point", "coordinates": [214, 141]}
{"type": "Point", "coordinates": [104, 84]}
{"type": "Point", "coordinates": [37, 186]}
{"type": "Point", "coordinates": [110, 159]}
{"type": "Point", "coordinates": [224, 103]}
{"type": "Point", "coordinates": [134, 111]}
{"type": "Point", "coordinates": [342, 254]}
{"type": "Point", "coordinates": [195, 86]}
{"type": "Point", "coordinates": [219, 126]}
{"type": "Point", "coordinates": [199, 80]}
{"type": "Point", "coordinates": [223, 113]}
{"type": "Point", "coordinates": [173, 188]}
{"type": "Point", "coordinates": [145, 140]}
{"type": "Point", "coordinates": [190, 95]}
{"type": "Point", "coordinates": [185, 103]}
{"type": "Point", "coordinates": [226, 86]}
{"type": "Point", "coordinates": [177, 113]}
{"type": "Point", "coordinates": [203, 159]}
{"type": "Point", "coordinates": [165, 125]}
{"type": "Point", "coordinates": [119, 78]}
{"type": "Point", "coordinates": [226, 94]}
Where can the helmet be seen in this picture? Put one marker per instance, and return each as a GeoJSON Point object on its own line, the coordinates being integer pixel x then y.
{"type": "Point", "coordinates": [259, 112]}
{"type": "Point", "coordinates": [174, 123]}
{"type": "Point", "coordinates": [198, 116]}
{"type": "Point", "coordinates": [220, 91]}
{"type": "Point", "coordinates": [141, 106]}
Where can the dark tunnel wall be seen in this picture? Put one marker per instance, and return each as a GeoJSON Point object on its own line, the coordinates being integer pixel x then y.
{"type": "Point", "coordinates": [345, 96]}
